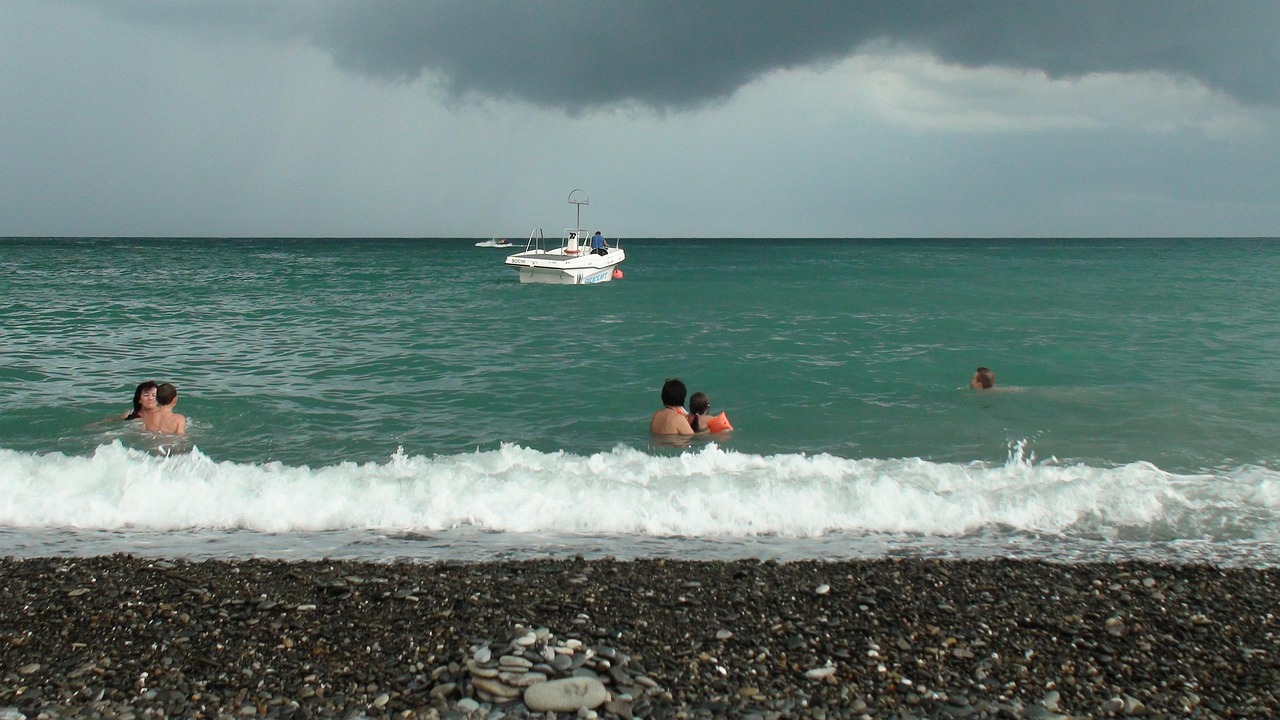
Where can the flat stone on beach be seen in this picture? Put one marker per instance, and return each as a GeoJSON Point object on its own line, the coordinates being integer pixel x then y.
{"type": "Point", "coordinates": [496, 688]}
{"type": "Point", "coordinates": [820, 673]}
{"type": "Point", "coordinates": [522, 679]}
{"type": "Point", "coordinates": [566, 695]}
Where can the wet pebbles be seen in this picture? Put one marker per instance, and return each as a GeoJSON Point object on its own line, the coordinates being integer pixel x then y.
{"type": "Point", "coordinates": [123, 637]}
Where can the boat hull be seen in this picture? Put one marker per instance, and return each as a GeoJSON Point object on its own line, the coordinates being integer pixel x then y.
{"type": "Point", "coordinates": [556, 267]}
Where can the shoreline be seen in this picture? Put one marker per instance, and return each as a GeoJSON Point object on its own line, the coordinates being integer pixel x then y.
{"type": "Point", "coordinates": [118, 635]}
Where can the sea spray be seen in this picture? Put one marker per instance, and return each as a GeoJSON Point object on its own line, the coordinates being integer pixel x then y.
{"type": "Point", "coordinates": [710, 492]}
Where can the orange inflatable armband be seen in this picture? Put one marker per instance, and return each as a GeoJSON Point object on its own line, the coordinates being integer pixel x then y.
{"type": "Point", "coordinates": [719, 423]}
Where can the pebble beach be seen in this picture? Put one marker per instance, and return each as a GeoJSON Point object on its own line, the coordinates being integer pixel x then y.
{"type": "Point", "coordinates": [127, 637]}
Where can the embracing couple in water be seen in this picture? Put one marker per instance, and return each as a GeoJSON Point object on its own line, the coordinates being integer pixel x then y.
{"type": "Point", "coordinates": [153, 405]}
{"type": "Point", "coordinates": [673, 419]}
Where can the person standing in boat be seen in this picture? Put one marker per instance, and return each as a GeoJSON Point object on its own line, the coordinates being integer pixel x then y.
{"type": "Point", "coordinates": [599, 244]}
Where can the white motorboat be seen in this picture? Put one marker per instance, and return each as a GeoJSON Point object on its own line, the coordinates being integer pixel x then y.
{"type": "Point", "coordinates": [496, 242]}
{"type": "Point", "coordinates": [573, 262]}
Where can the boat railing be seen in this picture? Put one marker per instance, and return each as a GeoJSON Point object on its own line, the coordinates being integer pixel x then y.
{"type": "Point", "coordinates": [573, 242]}
{"type": "Point", "coordinates": [580, 241]}
{"type": "Point", "coordinates": [535, 241]}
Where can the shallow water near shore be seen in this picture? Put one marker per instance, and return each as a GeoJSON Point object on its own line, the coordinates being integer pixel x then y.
{"type": "Point", "coordinates": [398, 399]}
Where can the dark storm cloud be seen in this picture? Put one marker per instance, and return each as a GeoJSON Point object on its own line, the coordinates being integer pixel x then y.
{"type": "Point", "coordinates": [676, 54]}
{"type": "Point", "coordinates": [684, 53]}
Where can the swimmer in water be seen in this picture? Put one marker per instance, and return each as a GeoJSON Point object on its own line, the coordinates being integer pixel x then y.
{"type": "Point", "coordinates": [699, 406]}
{"type": "Point", "coordinates": [144, 400]}
{"type": "Point", "coordinates": [672, 419]}
{"type": "Point", "coordinates": [164, 419]}
{"type": "Point", "coordinates": [983, 379]}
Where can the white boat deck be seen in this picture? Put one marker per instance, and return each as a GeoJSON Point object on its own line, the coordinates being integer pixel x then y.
{"type": "Point", "coordinates": [574, 262]}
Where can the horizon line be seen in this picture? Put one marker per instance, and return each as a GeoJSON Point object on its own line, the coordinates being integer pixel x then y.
{"type": "Point", "coordinates": [647, 237]}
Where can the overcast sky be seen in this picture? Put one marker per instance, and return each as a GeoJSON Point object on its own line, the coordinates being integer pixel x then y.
{"type": "Point", "coordinates": [678, 118]}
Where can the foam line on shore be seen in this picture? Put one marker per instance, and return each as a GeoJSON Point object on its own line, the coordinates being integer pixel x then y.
{"type": "Point", "coordinates": [712, 492]}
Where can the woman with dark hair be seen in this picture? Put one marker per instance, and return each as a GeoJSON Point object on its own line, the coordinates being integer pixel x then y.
{"type": "Point", "coordinates": [672, 418]}
{"type": "Point", "coordinates": [144, 400]}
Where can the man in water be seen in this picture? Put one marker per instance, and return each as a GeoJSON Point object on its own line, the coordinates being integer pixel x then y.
{"type": "Point", "coordinates": [598, 244]}
{"type": "Point", "coordinates": [164, 419]}
{"type": "Point", "coordinates": [672, 418]}
{"type": "Point", "coordinates": [983, 379]}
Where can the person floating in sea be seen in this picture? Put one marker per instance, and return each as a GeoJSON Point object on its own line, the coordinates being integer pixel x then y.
{"type": "Point", "coordinates": [700, 418]}
{"type": "Point", "coordinates": [983, 379]}
{"type": "Point", "coordinates": [144, 400]}
{"type": "Point", "coordinates": [163, 419]}
{"type": "Point", "coordinates": [598, 244]}
{"type": "Point", "coordinates": [672, 419]}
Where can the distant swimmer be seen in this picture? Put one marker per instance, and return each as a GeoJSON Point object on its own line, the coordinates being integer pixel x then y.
{"type": "Point", "coordinates": [144, 400]}
{"type": "Point", "coordinates": [672, 419]}
{"type": "Point", "coordinates": [700, 418]}
{"type": "Point", "coordinates": [983, 379]}
{"type": "Point", "coordinates": [164, 419]}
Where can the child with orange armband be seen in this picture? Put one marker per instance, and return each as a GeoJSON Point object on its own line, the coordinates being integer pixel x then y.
{"type": "Point", "coordinates": [701, 420]}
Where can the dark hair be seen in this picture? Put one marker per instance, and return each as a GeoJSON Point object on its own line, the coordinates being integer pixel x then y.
{"type": "Point", "coordinates": [986, 378]}
{"type": "Point", "coordinates": [673, 392]}
{"type": "Point", "coordinates": [166, 394]}
{"type": "Point", "coordinates": [699, 403]}
{"type": "Point", "coordinates": [137, 398]}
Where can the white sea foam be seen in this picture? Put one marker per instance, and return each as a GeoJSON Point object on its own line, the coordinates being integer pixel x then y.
{"type": "Point", "coordinates": [707, 493]}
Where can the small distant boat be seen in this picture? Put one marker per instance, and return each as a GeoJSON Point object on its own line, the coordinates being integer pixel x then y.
{"type": "Point", "coordinates": [574, 262]}
{"type": "Point", "coordinates": [496, 242]}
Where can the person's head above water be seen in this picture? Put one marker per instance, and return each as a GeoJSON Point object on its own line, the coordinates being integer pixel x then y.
{"type": "Point", "coordinates": [673, 392]}
{"type": "Point", "coordinates": [166, 394]}
{"type": "Point", "coordinates": [147, 390]}
{"type": "Point", "coordinates": [137, 393]}
{"type": "Point", "coordinates": [699, 403]}
{"type": "Point", "coordinates": [983, 379]}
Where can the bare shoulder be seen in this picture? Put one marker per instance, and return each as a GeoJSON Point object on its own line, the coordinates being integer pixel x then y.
{"type": "Point", "coordinates": [669, 422]}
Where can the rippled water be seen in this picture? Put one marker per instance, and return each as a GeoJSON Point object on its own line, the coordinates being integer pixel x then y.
{"type": "Point", "coordinates": [1144, 363]}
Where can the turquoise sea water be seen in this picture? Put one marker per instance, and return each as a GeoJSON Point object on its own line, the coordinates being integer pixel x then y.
{"type": "Point", "coordinates": [392, 398]}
